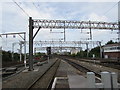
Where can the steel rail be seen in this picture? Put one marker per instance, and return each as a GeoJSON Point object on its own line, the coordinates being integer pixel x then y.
{"type": "Point", "coordinates": [79, 67]}
{"type": "Point", "coordinates": [33, 84]}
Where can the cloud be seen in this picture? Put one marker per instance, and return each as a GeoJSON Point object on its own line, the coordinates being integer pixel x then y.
{"type": "Point", "coordinates": [104, 35]}
{"type": "Point", "coordinates": [94, 17]}
{"type": "Point", "coordinates": [62, 0]}
{"type": "Point", "coordinates": [16, 21]}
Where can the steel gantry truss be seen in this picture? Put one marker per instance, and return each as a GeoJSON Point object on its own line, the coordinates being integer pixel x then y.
{"type": "Point", "coordinates": [63, 24]}
{"type": "Point", "coordinates": [44, 48]}
{"type": "Point", "coordinates": [59, 24]}
{"type": "Point", "coordinates": [62, 43]}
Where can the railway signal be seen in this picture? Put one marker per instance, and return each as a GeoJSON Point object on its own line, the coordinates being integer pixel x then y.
{"type": "Point", "coordinates": [48, 50]}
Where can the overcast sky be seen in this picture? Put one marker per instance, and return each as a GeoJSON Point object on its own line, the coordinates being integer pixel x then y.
{"type": "Point", "coordinates": [14, 20]}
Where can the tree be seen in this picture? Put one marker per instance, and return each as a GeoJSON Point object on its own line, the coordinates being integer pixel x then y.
{"type": "Point", "coordinates": [39, 54]}
{"type": "Point", "coordinates": [6, 56]}
{"type": "Point", "coordinates": [95, 51]}
{"type": "Point", "coordinates": [82, 54]}
{"type": "Point", "coordinates": [110, 42]}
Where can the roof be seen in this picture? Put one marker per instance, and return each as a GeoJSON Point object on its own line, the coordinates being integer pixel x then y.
{"type": "Point", "coordinates": [108, 45]}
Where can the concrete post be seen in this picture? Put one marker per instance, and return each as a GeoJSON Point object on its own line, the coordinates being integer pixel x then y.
{"type": "Point", "coordinates": [13, 51]}
{"type": "Point", "coordinates": [106, 79]}
{"type": "Point", "coordinates": [64, 31]}
{"type": "Point", "coordinates": [90, 31]}
{"type": "Point", "coordinates": [1, 68]}
{"type": "Point", "coordinates": [119, 21]}
{"type": "Point", "coordinates": [87, 50]}
{"type": "Point", "coordinates": [30, 44]}
{"type": "Point", "coordinates": [25, 49]}
{"type": "Point", "coordinates": [90, 80]}
{"type": "Point", "coordinates": [20, 51]}
{"type": "Point", "coordinates": [119, 25]}
{"type": "Point", "coordinates": [100, 49]}
{"type": "Point", "coordinates": [34, 51]}
{"type": "Point", "coordinates": [114, 80]}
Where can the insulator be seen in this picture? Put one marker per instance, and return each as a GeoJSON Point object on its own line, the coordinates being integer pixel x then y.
{"type": "Point", "coordinates": [14, 36]}
{"type": "Point", "coordinates": [50, 29]}
{"type": "Point", "coordinates": [88, 32]}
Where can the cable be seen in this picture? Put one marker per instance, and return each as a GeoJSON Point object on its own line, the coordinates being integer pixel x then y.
{"type": "Point", "coordinates": [111, 8]}
{"type": "Point", "coordinates": [34, 5]}
{"type": "Point", "coordinates": [21, 8]}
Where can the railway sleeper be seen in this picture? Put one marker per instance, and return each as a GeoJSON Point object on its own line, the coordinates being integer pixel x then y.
{"type": "Point", "coordinates": [12, 69]}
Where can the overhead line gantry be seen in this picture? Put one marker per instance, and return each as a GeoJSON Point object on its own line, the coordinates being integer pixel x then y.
{"type": "Point", "coordinates": [67, 24]}
{"type": "Point", "coordinates": [64, 24]}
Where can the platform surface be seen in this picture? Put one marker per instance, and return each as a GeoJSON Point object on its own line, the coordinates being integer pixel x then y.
{"type": "Point", "coordinates": [75, 78]}
{"type": "Point", "coordinates": [77, 81]}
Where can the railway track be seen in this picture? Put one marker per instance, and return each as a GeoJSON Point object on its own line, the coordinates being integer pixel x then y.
{"type": "Point", "coordinates": [82, 68]}
{"type": "Point", "coordinates": [115, 65]}
{"type": "Point", "coordinates": [104, 62]}
{"type": "Point", "coordinates": [46, 79]}
{"type": "Point", "coordinates": [9, 72]}
{"type": "Point", "coordinates": [91, 67]}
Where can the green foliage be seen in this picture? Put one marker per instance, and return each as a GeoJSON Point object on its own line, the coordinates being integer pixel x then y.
{"type": "Point", "coordinates": [82, 54]}
{"type": "Point", "coordinates": [39, 54]}
{"type": "Point", "coordinates": [7, 56]}
{"type": "Point", "coordinates": [95, 51]}
{"type": "Point", "coordinates": [73, 55]}
{"type": "Point", "coordinates": [17, 57]}
{"type": "Point", "coordinates": [110, 42]}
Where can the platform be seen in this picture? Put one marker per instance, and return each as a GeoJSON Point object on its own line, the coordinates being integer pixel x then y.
{"type": "Point", "coordinates": [77, 81]}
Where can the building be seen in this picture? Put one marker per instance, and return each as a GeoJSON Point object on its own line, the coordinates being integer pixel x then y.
{"type": "Point", "coordinates": [74, 51]}
{"type": "Point", "coordinates": [111, 51]}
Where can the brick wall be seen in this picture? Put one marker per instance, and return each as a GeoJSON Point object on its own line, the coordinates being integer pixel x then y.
{"type": "Point", "coordinates": [112, 55]}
